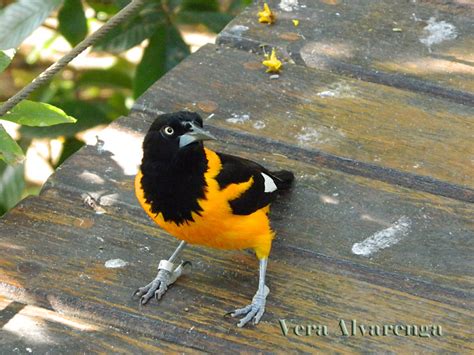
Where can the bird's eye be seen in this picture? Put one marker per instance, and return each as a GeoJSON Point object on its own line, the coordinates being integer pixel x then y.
{"type": "Point", "coordinates": [168, 130]}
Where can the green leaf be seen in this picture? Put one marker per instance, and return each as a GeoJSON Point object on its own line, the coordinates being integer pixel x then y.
{"type": "Point", "coordinates": [104, 78]}
{"type": "Point", "coordinates": [215, 21]}
{"type": "Point", "coordinates": [164, 51]}
{"type": "Point", "coordinates": [10, 151]}
{"type": "Point", "coordinates": [132, 32]}
{"type": "Point", "coordinates": [122, 39]}
{"type": "Point", "coordinates": [72, 21]}
{"type": "Point", "coordinates": [110, 7]}
{"type": "Point", "coordinates": [119, 75]}
{"type": "Point", "coordinates": [5, 59]}
{"type": "Point", "coordinates": [88, 115]}
{"type": "Point", "coordinates": [20, 19]}
{"type": "Point", "coordinates": [238, 5]}
{"type": "Point", "coordinates": [201, 5]}
{"type": "Point", "coordinates": [12, 185]}
{"type": "Point", "coordinates": [173, 4]}
{"type": "Point", "coordinates": [116, 105]}
{"type": "Point", "coordinates": [38, 114]}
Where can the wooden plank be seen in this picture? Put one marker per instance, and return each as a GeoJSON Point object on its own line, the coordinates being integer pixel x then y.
{"type": "Point", "coordinates": [423, 46]}
{"type": "Point", "coordinates": [32, 329]}
{"type": "Point", "coordinates": [57, 247]}
{"type": "Point", "coordinates": [438, 224]}
{"type": "Point", "coordinates": [305, 289]}
{"type": "Point", "coordinates": [369, 126]}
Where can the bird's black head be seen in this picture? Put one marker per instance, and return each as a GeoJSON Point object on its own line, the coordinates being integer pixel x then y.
{"type": "Point", "coordinates": [173, 165]}
{"type": "Point", "coordinates": [174, 134]}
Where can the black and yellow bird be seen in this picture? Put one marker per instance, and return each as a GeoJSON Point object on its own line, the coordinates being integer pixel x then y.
{"type": "Point", "coordinates": [207, 198]}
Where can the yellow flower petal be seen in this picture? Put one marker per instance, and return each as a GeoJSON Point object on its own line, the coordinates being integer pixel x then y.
{"type": "Point", "coordinates": [272, 63]}
{"type": "Point", "coordinates": [296, 22]}
{"type": "Point", "coordinates": [266, 16]}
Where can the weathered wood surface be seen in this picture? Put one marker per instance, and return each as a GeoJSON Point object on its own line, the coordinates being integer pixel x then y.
{"type": "Point", "coordinates": [56, 247]}
{"type": "Point", "coordinates": [418, 45]}
{"type": "Point", "coordinates": [31, 329]}
{"type": "Point", "coordinates": [375, 125]}
{"type": "Point", "coordinates": [365, 156]}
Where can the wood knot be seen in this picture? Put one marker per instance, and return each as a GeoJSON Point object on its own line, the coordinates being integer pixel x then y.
{"type": "Point", "coordinates": [30, 268]}
{"type": "Point", "coordinates": [207, 106]}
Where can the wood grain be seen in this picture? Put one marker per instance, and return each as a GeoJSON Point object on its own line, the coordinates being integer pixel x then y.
{"type": "Point", "coordinates": [27, 328]}
{"type": "Point", "coordinates": [422, 46]}
{"type": "Point", "coordinates": [438, 224]}
{"type": "Point", "coordinates": [311, 109]}
{"type": "Point", "coordinates": [57, 246]}
{"type": "Point", "coordinates": [366, 156]}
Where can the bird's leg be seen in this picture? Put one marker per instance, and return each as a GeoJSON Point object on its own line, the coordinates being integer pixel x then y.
{"type": "Point", "coordinates": [167, 275]}
{"type": "Point", "coordinates": [256, 309]}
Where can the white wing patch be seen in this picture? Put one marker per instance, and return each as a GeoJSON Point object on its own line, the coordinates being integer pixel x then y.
{"type": "Point", "coordinates": [269, 183]}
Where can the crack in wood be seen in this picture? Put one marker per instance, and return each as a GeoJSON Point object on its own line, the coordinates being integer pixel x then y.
{"type": "Point", "coordinates": [338, 163]}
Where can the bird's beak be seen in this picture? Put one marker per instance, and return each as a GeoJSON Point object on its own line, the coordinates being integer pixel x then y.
{"type": "Point", "coordinates": [195, 135]}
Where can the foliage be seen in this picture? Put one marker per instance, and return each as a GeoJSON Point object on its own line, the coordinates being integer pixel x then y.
{"type": "Point", "coordinates": [39, 114]}
{"type": "Point", "coordinates": [11, 152]}
{"type": "Point", "coordinates": [12, 185]}
{"type": "Point", "coordinates": [19, 20]}
{"type": "Point", "coordinates": [165, 49]}
{"type": "Point", "coordinates": [72, 21]}
{"type": "Point", "coordinates": [92, 96]}
{"type": "Point", "coordinates": [26, 113]}
{"type": "Point", "coordinates": [5, 60]}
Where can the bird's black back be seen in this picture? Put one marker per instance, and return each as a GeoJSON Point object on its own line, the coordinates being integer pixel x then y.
{"type": "Point", "coordinates": [238, 170]}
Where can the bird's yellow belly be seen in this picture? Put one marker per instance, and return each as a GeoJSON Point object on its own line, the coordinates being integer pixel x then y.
{"type": "Point", "coordinates": [216, 226]}
{"type": "Point", "coordinates": [221, 229]}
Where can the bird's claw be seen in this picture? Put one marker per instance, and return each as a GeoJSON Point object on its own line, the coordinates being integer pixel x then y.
{"type": "Point", "coordinates": [158, 287]}
{"type": "Point", "coordinates": [254, 310]}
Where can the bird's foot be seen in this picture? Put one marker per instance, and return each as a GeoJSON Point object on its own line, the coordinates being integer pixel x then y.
{"type": "Point", "coordinates": [254, 310]}
{"type": "Point", "coordinates": [166, 276]}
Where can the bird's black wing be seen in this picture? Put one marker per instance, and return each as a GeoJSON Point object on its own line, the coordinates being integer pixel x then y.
{"type": "Point", "coordinates": [237, 170]}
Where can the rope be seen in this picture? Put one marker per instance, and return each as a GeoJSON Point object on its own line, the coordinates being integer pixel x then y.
{"type": "Point", "coordinates": [47, 75]}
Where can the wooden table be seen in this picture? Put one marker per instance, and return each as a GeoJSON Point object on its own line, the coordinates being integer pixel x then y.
{"type": "Point", "coordinates": [376, 120]}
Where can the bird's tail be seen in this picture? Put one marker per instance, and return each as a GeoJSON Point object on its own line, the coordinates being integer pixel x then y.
{"type": "Point", "coordinates": [283, 179]}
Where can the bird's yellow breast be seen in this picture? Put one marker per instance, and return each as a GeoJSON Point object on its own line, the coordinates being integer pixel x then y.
{"type": "Point", "coordinates": [216, 226]}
